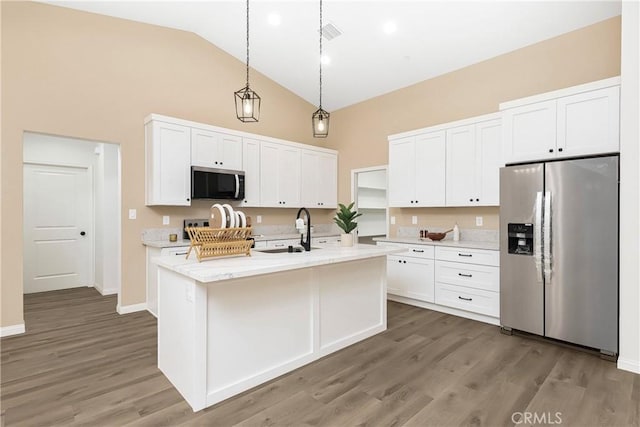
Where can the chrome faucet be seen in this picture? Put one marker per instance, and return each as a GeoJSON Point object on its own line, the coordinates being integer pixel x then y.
{"type": "Point", "coordinates": [306, 245]}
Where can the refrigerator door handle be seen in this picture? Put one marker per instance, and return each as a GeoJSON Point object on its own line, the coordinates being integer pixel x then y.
{"type": "Point", "coordinates": [546, 229]}
{"type": "Point", "coordinates": [537, 236]}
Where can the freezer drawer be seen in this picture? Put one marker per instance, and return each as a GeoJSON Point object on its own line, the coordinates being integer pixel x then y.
{"type": "Point", "coordinates": [469, 299]}
{"type": "Point", "coordinates": [470, 256]}
{"type": "Point", "coordinates": [470, 275]}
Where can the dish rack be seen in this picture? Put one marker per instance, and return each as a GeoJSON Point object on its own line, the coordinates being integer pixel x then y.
{"type": "Point", "coordinates": [210, 242]}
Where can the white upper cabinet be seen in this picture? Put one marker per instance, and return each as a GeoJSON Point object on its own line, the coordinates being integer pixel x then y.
{"type": "Point", "coordinates": [488, 162]}
{"type": "Point", "coordinates": [215, 150]}
{"type": "Point", "coordinates": [461, 166]}
{"type": "Point", "coordinates": [279, 175]}
{"type": "Point", "coordinates": [589, 123]}
{"type": "Point", "coordinates": [168, 174]}
{"type": "Point", "coordinates": [417, 170]}
{"type": "Point", "coordinates": [251, 162]}
{"type": "Point", "coordinates": [319, 184]}
{"type": "Point", "coordinates": [530, 132]}
{"type": "Point", "coordinates": [473, 164]}
{"type": "Point", "coordinates": [577, 121]}
{"type": "Point", "coordinates": [273, 170]}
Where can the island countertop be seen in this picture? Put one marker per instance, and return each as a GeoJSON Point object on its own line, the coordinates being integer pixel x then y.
{"type": "Point", "coordinates": [217, 269]}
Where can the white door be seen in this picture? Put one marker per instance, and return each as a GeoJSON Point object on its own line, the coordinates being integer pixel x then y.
{"type": "Point", "coordinates": [289, 176]}
{"type": "Point", "coordinates": [251, 162]}
{"type": "Point", "coordinates": [488, 162]}
{"type": "Point", "coordinates": [328, 180]}
{"type": "Point", "coordinates": [230, 152]}
{"type": "Point", "coordinates": [269, 175]}
{"type": "Point", "coordinates": [58, 248]}
{"type": "Point", "coordinates": [205, 148]}
{"type": "Point", "coordinates": [529, 132]}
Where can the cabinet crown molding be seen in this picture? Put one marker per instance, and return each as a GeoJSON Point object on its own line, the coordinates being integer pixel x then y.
{"type": "Point", "coordinates": [568, 91]}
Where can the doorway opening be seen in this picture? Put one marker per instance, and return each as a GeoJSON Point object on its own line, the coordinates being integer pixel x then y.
{"type": "Point", "coordinates": [71, 214]}
{"type": "Point", "coordinates": [369, 192]}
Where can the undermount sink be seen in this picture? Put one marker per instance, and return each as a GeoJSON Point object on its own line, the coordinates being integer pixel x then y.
{"type": "Point", "coordinates": [282, 250]}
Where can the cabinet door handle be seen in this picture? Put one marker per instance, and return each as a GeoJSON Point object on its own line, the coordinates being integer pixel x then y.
{"type": "Point", "coordinates": [465, 275]}
{"type": "Point", "coordinates": [418, 250]}
{"type": "Point", "coordinates": [551, 150]}
{"type": "Point", "coordinates": [560, 149]}
{"type": "Point", "coordinates": [465, 255]}
{"type": "Point", "coordinates": [471, 200]}
{"type": "Point", "coordinates": [465, 299]}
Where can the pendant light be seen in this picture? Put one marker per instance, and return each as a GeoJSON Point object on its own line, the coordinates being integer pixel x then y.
{"type": "Point", "coordinates": [320, 119]}
{"type": "Point", "coordinates": [247, 100]}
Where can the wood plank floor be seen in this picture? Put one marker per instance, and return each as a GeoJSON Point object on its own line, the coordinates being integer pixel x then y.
{"type": "Point", "coordinates": [80, 363]}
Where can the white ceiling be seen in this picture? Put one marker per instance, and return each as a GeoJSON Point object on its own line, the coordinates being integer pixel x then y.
{"type": "Point", "coordinates": [432, 37]}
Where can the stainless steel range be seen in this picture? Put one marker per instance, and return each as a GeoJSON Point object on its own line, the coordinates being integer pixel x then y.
{"type": "Point", "coordinates": [193, 223]}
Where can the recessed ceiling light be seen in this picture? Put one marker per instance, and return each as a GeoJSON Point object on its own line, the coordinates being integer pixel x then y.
{"type": "Point", "coordinates": [325, 59]}
{"type": "Point", "coordinates": [390, 27]}
{"type": "Point", "coordinates": [274, 19]}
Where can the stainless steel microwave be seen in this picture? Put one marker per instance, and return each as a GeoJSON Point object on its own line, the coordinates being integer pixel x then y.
{"type": "Point", "coordinates": [207, 183]}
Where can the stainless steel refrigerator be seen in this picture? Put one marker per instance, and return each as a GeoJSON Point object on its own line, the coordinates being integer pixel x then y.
{"type": "Point", "coordinates": [559, 250]}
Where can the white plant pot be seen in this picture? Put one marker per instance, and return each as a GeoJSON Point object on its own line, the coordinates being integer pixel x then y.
{"type": "Point", "coordinates": [346, 240]}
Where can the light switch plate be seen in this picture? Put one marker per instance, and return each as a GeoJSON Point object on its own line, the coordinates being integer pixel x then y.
{"type": "Point", "coordinates": [393, 220]}
{"type": "Point", "coordinates": [133, 213]}
{"type": "Point", "coordinates": [258, 219]}
{"type": "Point", "coordinates": [479, 221]}
{"type": "Point", "coordinates": [414, 219]}
{"type": "Point", "coordinates": [166, 220]}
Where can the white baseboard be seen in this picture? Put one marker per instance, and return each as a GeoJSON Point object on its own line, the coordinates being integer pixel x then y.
{"type": "Point", "coordinates": [105, 292]}
{"type": "Point", "coordinates": [126, 309]}
{"type": "Point", "coordinates": [629, 365]}
{"type": "Point", "coordinates": [6, 331]}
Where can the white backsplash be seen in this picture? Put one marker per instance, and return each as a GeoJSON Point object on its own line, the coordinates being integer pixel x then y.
{"type": "Point", "coordinates": [466, 234]}
{"type": "Point", "coordinates": [159, 234]}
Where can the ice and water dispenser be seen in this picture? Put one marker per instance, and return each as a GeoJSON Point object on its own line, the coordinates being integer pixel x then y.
{"type": "Point", "coordinates": [520, 238]}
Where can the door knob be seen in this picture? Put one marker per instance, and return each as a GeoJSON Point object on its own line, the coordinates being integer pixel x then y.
{"type": "Point", "coordinates": [82, 233]}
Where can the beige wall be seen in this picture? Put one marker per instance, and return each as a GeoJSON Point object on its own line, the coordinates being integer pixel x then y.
{"type": "Point", "coordinates": [81, 75]}
{"type": "Point", "coordinates": [76, 74]}
{"type": "Point", "coordinates": [360, 132]}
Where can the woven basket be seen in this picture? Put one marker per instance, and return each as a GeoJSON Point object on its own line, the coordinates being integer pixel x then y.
{"type": "Point", "coordinates": [216, 242]}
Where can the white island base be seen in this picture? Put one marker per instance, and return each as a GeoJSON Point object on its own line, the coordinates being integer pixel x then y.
{"type": "Point", "coordinates": [219, 338]}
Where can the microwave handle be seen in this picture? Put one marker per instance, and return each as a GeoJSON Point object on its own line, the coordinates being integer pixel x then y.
{"type": "Point", "coordinates": [237, 185]}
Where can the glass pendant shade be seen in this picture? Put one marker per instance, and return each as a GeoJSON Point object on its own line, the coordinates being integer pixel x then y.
{"type": "Point", "coordinates": [320, 122]}
{"type": "Point", "coordinates": [247, 105]}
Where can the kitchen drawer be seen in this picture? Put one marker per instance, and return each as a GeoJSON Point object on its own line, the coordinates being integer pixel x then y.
{"type": "Point", "coordinates": [414, 251]}
{"type": "Point", "coordinates": [325, 240]}
{"type": "Point", "coordinates": [282, 243]}
{"type": "Point", "coordinates": [260, 244]}
{"type": "Point", "coordinates": [470, 275]}
{"type": "Point", "coordinates": [469, 256]}
{"type": "Point", "coordinates": [469, 299]}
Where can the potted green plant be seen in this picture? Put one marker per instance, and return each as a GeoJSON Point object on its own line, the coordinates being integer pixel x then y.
{"type": "Point", "coordinates": [344, 218]}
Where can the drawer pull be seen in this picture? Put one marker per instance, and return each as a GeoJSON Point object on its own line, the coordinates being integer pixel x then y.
{"type": "Point", "coordinates": [418, 250]}
{"type": "Point", "coordinates": [279, 245]}
{"type": "Point", "coordinates": [465, 299]}
{"type": "Point", "coordinates": [322, 241]}
{"type": "Point", "coordinates": [465, 275]}
{"type": "Point", "coordinates": [467, 255]}
{"type": "Point", "coordinates": [179, 253]}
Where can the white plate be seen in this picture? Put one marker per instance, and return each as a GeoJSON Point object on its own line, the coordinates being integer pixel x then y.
{"type": "Point", "coordinates": [231, 218]}
{"type": "Point", "coordinates": [243, 219]}
{"type": "Point", "coordinates": [237, 215]}
{"type": "Point", "coordinates": [218, 217]}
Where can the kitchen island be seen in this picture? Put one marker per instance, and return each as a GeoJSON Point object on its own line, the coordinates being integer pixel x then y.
{"type": "Point", "coordinates": [226, 325]}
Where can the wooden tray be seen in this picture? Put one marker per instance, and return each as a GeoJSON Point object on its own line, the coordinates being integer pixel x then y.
{"type": "Point", "coordinates": [210, 242]}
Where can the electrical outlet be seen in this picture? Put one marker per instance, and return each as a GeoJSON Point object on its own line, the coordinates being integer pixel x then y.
{"type": "Point", "coordinates": [258, 219]}
{"type": "Point", "coordinates": [393, 220]}
{"type": "Point", "coordinates": [166, 220]}
{"type": "Point", "coordinates": [133, 213]}
{"type": "Point", "coordinates": [478, 221]}
{"type": "Point", "coordinates": [414, 219]}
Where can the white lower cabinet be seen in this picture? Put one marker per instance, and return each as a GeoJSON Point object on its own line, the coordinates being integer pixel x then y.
{"type": "Point", "coordinates": [410, 277]}
{"type": "Point", "coordinates": [460, 281]}
{"type": "Point", "coordinates": [152, 273]}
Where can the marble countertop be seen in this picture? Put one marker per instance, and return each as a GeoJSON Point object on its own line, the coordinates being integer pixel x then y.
{"type": "Point", "coordinates": [468, 244]}
{"type": "Point", "coordinates": [214, 270]}
{"type": "Point", "coordinates": [258, 238]}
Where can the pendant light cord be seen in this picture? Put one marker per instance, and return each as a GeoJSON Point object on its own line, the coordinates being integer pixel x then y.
{"type": "Point", "coordinates": [247, 43]}
{"type": "Point", "coordinates": [320, 54]}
